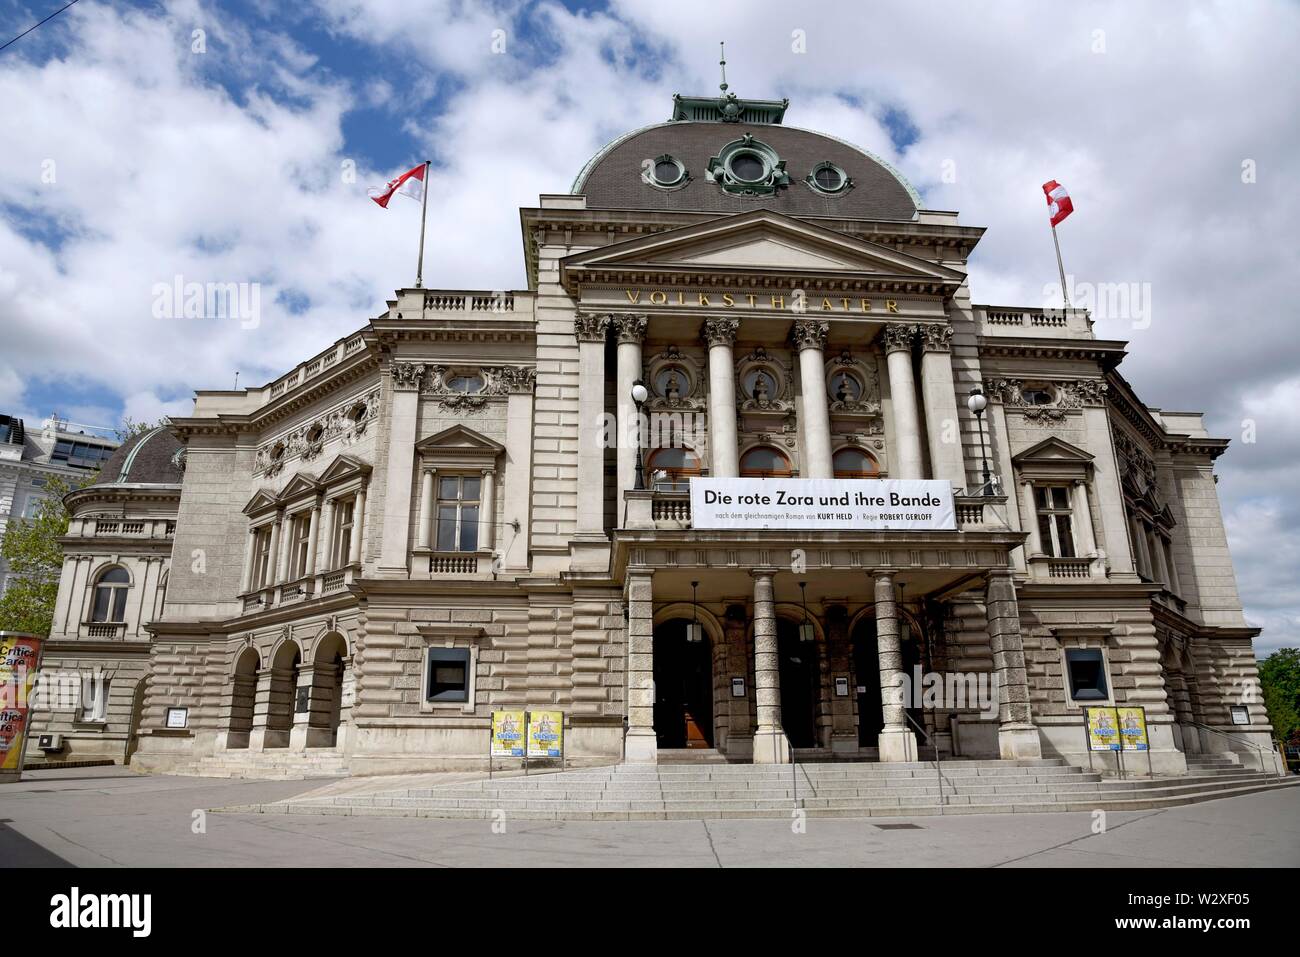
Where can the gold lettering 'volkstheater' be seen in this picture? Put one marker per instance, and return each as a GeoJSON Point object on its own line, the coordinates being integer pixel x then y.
{"type": "Point", "coordinates": [458, 508]}
{"type": "Point", "coordinates": [795, 301]}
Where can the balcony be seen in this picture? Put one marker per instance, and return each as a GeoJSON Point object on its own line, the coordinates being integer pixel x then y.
{"type": "Point", "coordinates": [112, 630]}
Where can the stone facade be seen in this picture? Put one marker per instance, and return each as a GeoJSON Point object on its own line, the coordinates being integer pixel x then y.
{"type": "Point", "coordinates": [461, 508]}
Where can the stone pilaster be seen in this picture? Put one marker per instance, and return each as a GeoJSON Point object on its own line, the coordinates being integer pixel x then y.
{"type": "Point", "coordinates": [640, 744]}
{"type": "Point", "coordinates": [590, 331]}
{"type": "Point", "coordinates": [720, 336]}
{"type": "Point", "coordinates": [1017, 736]}
{"type": "Point", "coordinates": [771, 746]}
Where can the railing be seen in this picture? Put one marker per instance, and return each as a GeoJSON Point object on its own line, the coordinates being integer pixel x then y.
{"type": "Point", "coordinates": [107, 528]}
{"type": "Point", "coordinates": [453, 563]}
{"type": "Point", "coordinates": [469, 302]}
{"type": "Point", "coordinates": [1259, 752]}
{"type": "Point", "coordinates": [133, 528]}
{"type": "Point", "coordinates": [671, 507]}
{"type": "Point", "coordinates": [315, 366]}
{"type": "Point", "coordinates": [938, 769]}
{"type": "Point", "coordinates": [101, 629]}
{"type": "Point", "coordinates": [254, 603]}
{"type": "Point", "coordinates": [1069, 567]}
{"type": "Point", "coordinates": [333, 581]}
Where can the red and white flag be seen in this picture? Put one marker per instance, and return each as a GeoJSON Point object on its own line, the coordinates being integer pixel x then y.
{"type": "Point", "coordinates": [1058, 201]}
{"type": "Point", "coordinates": [410, 183]}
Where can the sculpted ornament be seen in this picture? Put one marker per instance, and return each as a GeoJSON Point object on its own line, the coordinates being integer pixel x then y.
{"type": "Point", "coordinates": [408, 376]}
{"type": "Point", "coordinates": [898, 337]}
{"type": "Point", "coordinates": [347, 422]}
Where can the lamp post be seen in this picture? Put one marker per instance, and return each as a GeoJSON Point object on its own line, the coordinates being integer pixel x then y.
{"type": "Point", "coordinates": [639, 395]}
{"type": "Point", "coordinates": [977, 403]}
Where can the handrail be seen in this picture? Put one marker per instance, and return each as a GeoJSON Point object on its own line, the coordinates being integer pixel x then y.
{"type": "Point", "coordinates": [1232, 737]}
{"type": "Point", "coordinates": [943, 800]}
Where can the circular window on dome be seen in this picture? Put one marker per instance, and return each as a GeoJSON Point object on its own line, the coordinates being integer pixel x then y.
{"type": "Point", "coordinates": [828, 178]}
{"type": "Point", "coordinates": [672, 382]}
{"type": "Point", "coordinates": [666, 172]}
{"type": "Point", "coordinates": [747, 167]}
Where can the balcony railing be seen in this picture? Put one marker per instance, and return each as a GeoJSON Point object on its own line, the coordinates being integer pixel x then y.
{"type": "Point", "coordinates": [104, 629]}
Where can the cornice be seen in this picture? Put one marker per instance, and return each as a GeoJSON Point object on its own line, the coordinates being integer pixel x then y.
{"type": "Point", "coordinates": [1108, 352]}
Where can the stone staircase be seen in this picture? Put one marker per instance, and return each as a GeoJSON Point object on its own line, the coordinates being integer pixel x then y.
{"type": "Point", "coordinates": [276, 765]}
{"type": "Point", "coordinates": [705, 790]}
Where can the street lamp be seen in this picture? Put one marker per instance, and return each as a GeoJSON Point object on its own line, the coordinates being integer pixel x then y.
{"type": "Point", "coordinates": [977, 403]}
{"type": "Point", "coordinates": [639, 395]}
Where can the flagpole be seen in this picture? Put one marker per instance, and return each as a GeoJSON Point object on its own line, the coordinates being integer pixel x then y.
{"type": "Point", "coordinates": [1055, 242]}
{"type": "Point", "coordinates": [424, 212]}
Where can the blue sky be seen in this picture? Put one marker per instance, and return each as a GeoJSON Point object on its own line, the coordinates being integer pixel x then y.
{"type": "Point", "coordinates": [128, 158]}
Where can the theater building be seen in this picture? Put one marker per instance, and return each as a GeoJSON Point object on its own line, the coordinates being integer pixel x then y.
{"type": "Point", "coordinates": [439, 514]}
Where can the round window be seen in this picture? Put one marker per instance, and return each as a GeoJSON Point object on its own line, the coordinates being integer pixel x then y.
{"type": "Point", "coordinates": [748, 167]}
{"type": "Point", "coordinates": [668, 172]}
{"type": "Point", "coordinates": [1035, 395]}
{"type": "Point", "coordinates": [464, 383]}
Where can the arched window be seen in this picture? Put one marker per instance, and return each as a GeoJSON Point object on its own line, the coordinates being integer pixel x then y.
{"type": "Point", "coordinates": [110, 595]}
{"type": "Point", "coordinates": [851, 463]}
{"type": "Point", "coordinates": [763, 461]}
{"type": "Point", "coordinates": [671, 469]}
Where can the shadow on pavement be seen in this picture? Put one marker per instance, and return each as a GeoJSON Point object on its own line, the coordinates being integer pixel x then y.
{"type": "Point", "coordinates": [18, 851]}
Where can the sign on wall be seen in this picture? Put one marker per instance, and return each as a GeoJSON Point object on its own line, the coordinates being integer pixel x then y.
{"type": "Point", "coordinates": [507, 734]}
{"type": "Point", "coordinates": [1103, 729]}
{"type": "Point", "coordinates": [545, 734]}
{"type": "Point", "coordinates": [1133, 729]}
{"type": "Point", "coordinates": [829, 504]}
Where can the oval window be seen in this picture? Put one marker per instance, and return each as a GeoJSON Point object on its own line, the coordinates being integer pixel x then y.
{"type": "Point", "coordinates": [1035, 395]}
{"type": "Point", "coordinates": [748, 167]}
{"type": "Point", "coordinates": [464, 383]}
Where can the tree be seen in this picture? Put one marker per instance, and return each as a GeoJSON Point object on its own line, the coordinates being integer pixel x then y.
{"type": "Point", "coordinates": [130, 428]}
{"type": "Point", "coordinates": [31, 547]}
{"type": "Point", "coordinates": [1279, 677]}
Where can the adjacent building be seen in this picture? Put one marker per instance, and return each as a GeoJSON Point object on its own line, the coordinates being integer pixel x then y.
{"type": "Point", "coordinates": [480, 500]}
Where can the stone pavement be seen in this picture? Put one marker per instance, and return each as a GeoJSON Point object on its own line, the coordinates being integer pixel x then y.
{"type": "Point", "coordinates": [106, 817]}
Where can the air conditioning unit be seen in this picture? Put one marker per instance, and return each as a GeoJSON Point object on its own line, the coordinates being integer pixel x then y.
{"type": "Point", "coordinates": [50, 742]}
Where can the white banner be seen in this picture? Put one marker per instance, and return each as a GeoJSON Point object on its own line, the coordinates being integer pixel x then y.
{"type": "Point", "coordinates": [825, 504]}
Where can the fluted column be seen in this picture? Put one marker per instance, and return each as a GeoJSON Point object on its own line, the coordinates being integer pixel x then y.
{"type": "Point", "coordinates": [486, 510]}
{"type": "Point", "coordinates": [640, 744]}
{"type": "Point", "coordinates": [629, 332]}
{"type": "Point", "coordinates": [424, 537]}
{"type": "Point", "coordinates": [358, 524]}
{"type": "Point", "coordinates": [897, 739]}
{"type": "Point", "coordinates": [771, 746]}
{"type": "Point", "coordinates": [902, 390]}
{"type": "Point", "coordinates": [809, 337]}
{"type": "Point", "coordinates": [313, 530]}
{"type": "Point", "coordinates": [590, 332]}
{"type": "Point", "coordinates": [1017, 735]}
{"type": "Point", "coordinates": [942, 426]}
{"type": "Point", "coordinates": [273, 553]}
{"type": "Point", "coordinates": [286, 543]}
{"type": "Point", "coordinates": [720, 335]}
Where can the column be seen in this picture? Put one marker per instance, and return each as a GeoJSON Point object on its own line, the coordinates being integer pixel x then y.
{"type": "Point", "coordinates": [313, 530]}
{"type": "Point", "coordinates": [516, 480]}
{"type": "Point", "coordinates": [720, 336]}
{"type": "Point", "coordinates": [407, 379]}
{"type": "Point", "coordinates": [640, 745]}
{"type": "Point", "coordinates": [425, 519]}
{"type": "Point", "coordinates": [1159, 571]}
{"type": "Point", "coordinates": [1034, 545]}
{"type": "Point", "coordinates": [246, 582]}
{"type": "Point", "coordinates": [902, 389]}
{"type": "Point", "coordinates": [286, 543]}
{"type": "Point", "coordinates": [1017, 736]}
{"type": "Point", "coordinates": [273, 553]}
{"type": "Point", "coordinates": [358, 524]}
{"type": "Point", "coordinates": [897, 739]}
{"type": "Point", "coordinates": [486, 512]}
{"type": "Point", "coordinates": [590, 332]}
{"type": "Point", "coordinates": [629, 332]}
{"type": "Point", "coordinates": [771, 746]}
{"type": "Point", "coordinates": [809, 337]}
{"type": "Point", "coordinates": [1087, 544]}
{"type": "Point", "coordinates": [326, 556]}
{"type": "Point", "coordinates": [1174, 584]}
{"type": "Point", "coordinates": [1142, 556]}
{"type": "Point", "coordinates": [942, 425]}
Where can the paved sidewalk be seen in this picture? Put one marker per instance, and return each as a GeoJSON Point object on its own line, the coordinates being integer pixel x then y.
{"type": "Point", "coordinates": [106, 817]}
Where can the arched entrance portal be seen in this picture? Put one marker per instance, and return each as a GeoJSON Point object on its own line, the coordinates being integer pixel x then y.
{"type": "Point", "coordinates": [800, 684]}
{"type": "Point", "coordinates": [243, 693]}
{"type": "Point", "coordinates": [683, 687]}
{"type": "Point", "coordinates": [866, 669]}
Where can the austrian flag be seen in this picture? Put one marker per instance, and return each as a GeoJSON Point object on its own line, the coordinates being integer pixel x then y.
{"type": "Point", "coordinates": [1058, 201]}
{"type": "Point", "coordinates": [410, 183]}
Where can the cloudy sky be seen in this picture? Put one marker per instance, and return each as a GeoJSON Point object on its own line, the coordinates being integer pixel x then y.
{"type": "Point", "coordinates": [234, 142]}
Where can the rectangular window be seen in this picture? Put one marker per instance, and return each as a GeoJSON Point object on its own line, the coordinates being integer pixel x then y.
{"type": "Point", "coordinates": [1087, 674]}
{"type": "Point", "coordinates": [1055, 524]}
{"type": "Point", "coordinates": [448, 675]}
{"type": "Point", "coordinates": [457, 511]}
{"type": "Point", "coordinates": [300, 529]}
{"type": "Point", "coordinates": [94, 699]}
{"type": "Point", "coordinates": [343, 524]}
{"type": "Point", "coordinates": [261, 557]}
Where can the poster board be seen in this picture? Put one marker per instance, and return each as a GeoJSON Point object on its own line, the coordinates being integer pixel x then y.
{"type": "Point", "coordinates": [508, 734]}
{"type": "Point", "coordinates": [545, 734]}
{"type": "Point", "coordinates": [1133, 729]}
{"type": "Point", "coordinates": [19, 661]}
{"type": "Point", "coordinates": [1103, 728]}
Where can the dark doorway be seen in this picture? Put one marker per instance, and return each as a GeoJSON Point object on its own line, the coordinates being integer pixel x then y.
{"type": "Point", "coordinates": [800, 684]}
{"type": "Point", "coordinates": [866, 671]}
{"type": "Point", "coordinates": [683, 687]}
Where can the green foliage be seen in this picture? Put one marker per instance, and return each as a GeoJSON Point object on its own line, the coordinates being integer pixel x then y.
{"type": "Point", "coordinates": [131, 428]}
{"type": "Point", "coordinates": [1279, 676]}
{"type": "Point", "coordinates": [31, 547]}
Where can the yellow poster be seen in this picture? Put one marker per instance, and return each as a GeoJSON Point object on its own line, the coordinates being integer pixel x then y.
{"type": "Point", "coordinates": [1133, 729]}
{"type": "Point", "coordinates": [545, 734]}
{"type": "Point", "coordinates": [1103, 729]}
{"type": "Point", "coordinates": [19, 656]}
{"type": "Point", "coordinates": [507, 734]}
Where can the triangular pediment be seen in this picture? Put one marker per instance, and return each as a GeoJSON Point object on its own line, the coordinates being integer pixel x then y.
{"type": "Point", "coordinates": [343, 466]}
{"type": "Point", "coordinates": [758, 242]}
{"type": "Point", "coordinates": [1052, 450]}
{"type": "Point", "coordinates": [260, 502]}
{"type": "Point", "coordinates": [301, 484]}
{"type": "Point", "coordinates": [459, 438]}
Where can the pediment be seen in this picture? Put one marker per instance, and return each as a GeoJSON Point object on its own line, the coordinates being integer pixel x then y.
{"type": "Point", "coordinates": [1052, 451]}
{"type": "Point", "coordinates": [304, 483]}
{"type": "Point", "coordinates": [261, 502]}
{"type": "Point", "coordinates": [343, 467]}
{"type": "Point", "coordinates": [758, 242]}
{"type": "Point", "coordinates": [460, 438]}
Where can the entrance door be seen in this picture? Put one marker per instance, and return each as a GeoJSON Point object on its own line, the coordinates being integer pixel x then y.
{"type": "Point", "coordinates": [683, 688]}
{"type": "Point", "coordinates": [866, 669]}
{"type": "Point", "coordinates": [800, 685]}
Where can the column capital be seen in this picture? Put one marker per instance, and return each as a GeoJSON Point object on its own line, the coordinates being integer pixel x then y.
{"type": "Point", "coordinates": [935, 336]}
{"type": "Point", "coordinates": [809, 333]}
{"type": "Point", "coordinates": [407, 376]}
{"type": "Point", "coordinates": [879, 573]}
{"type": "Point", "coordinates": [720, 331]}
{"type": "Point", "coordinates": [764, 572]}
{"type": "Point", "coordinates": [588, 327]}
{"type": "Point", "coordinates": [629, 328]}
{"type": "Point", "coordinates": [898, 337]}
